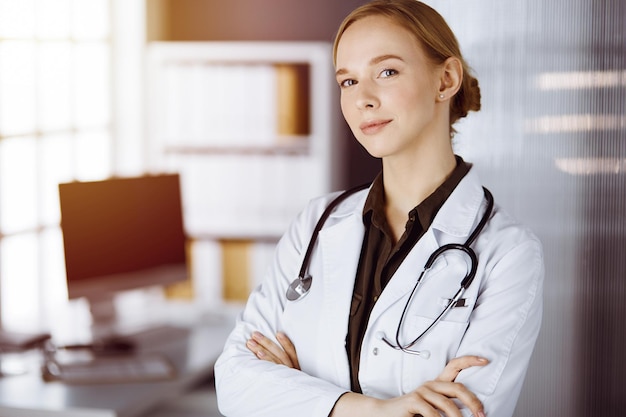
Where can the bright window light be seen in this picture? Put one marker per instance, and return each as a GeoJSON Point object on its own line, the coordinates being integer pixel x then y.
{"type": "Point", "coordinates": [92, 19]}
{"type": "Point", "coordinates": [55, 167]}
{"type": "Point", "coordinates": [17, 87]}
{"type": "Point", "coordinates": [17, 18]}
{"type": "Point", "coordinates": [577, 80]}
{"type": "Point", "coordinates": [54, 83]}
{"type": "Point", "coordinates": [55, 126]}
{"type": "Point", "coordinates": [591, 166]}
{"type": "Point", "coordinates": [569, 123]}
{"type": "Point", "coordinates": [53, 18]}
{"type": "Point", "coordinates": [93, 155]}
{"type": "Point", "coordinates": [18, 184]}
{"type": "Point", "coordinates": [20, 284]}
{"type": "Point", "coordinates": [91, 77]}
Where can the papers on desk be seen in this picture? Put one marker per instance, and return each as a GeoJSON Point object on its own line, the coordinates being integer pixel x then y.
{"type": "Point", "coordinates": [144, 367]}
{"type": "Point", "coordinates": [11, 341]}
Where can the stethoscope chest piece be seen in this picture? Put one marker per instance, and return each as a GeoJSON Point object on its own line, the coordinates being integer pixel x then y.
{"type": "Point", "coordinates": [299, 288]}
{"type": "Point", "coordinates": [301, 285]}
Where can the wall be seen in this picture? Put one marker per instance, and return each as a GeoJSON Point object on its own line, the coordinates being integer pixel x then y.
{"type": "Point", "coordinates": [550, 144]}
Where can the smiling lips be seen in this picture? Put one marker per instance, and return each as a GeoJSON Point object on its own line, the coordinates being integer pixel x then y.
{"type": "Point", "coordinates": [373, 126]}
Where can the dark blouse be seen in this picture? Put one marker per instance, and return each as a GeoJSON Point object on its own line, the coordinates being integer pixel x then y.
{"type": "Point", "coordinates": [380, 257]}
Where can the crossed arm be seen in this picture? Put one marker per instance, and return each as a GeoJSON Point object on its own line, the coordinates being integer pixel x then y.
{"type": "Point", "coordinates": [427, 400]}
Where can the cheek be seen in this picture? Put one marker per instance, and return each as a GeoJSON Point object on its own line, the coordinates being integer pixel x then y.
{"type": "Point", "coordinates": [352, 118]}
{"type": "Point", "coordinates": [404, 99]}
{"type": "Point", "coordinates": [415, 104]}
{"type": "Point", "coordinates": [347, 110]}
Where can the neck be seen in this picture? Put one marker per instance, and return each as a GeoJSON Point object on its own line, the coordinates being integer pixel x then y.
{"type": "Point", "coordinates": [408, 180]}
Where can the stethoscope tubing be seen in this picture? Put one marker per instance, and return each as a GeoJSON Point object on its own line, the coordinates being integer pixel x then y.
{"type": "Point", "coordinates": [301, 285]}
{"type": "Point", "coordinates": [465, 283]}
{"type": "Point", "coordinates": [320, 224]}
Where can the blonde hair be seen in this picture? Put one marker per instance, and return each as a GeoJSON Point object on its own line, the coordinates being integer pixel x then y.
{"type": "Point", "coordinates": [436, 38]}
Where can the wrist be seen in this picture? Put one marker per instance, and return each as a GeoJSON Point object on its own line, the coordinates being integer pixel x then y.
{"type": "Point", "coordinates": [351, 404]}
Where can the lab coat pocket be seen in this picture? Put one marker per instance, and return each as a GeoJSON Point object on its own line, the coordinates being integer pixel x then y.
{"type": "Point", "coordinates": [436, 292]}
{"type": "Point", "coordinates": [438, 346]}
{"type": "Point", "coordinates": [444, 338]}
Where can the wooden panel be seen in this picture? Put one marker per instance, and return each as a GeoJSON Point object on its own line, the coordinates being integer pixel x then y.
{"type": "Point", "coordinates": [236, 269]}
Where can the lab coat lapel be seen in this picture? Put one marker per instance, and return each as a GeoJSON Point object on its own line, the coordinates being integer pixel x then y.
{"type": "Point", "coordinates": [340, 246]}
{"type": "Point", "coordinates": [405, 277]}
{"type": "Point", "coordinates": [454, 223]}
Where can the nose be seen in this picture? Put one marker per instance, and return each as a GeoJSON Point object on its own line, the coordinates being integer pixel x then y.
{"type": "Point", "coordinates": [366, 96]}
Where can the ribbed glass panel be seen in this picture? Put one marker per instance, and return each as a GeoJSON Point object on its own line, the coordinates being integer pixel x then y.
{"type": "Point", "coordinates": [550, 142]}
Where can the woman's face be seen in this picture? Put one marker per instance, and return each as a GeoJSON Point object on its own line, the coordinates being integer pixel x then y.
{"type": "Point", "coordinates": [388, 87]}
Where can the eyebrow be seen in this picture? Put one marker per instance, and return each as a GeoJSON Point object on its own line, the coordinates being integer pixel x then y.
{"type": "Point", "coordinates": [373, 61]}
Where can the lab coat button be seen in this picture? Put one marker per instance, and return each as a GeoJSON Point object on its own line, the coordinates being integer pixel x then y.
{"type": "Point", "coordinates": [375, 351]}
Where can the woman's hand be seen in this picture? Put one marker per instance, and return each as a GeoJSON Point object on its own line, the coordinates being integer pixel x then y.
{"type": "Point", "coordinates": [432, 399]}
{"type": "Point", "coordinates": [456, 365]}
{"type": "Point", "coordinates": [428, 400]}
{"type": "Point", "coordinates": [266, 349]}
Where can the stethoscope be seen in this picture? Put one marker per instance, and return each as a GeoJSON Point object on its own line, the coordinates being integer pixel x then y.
{"type": "Point", "coordinates": [301, 285]}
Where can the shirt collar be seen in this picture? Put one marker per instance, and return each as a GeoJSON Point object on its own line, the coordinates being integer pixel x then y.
{"type": "Point", "coordinates": [374, 208]}
{"type": "Point", "coordinates": [375, 203]}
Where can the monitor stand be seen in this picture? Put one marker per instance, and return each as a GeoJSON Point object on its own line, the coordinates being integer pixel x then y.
{"type": "Point", "coordinates": [107, 327]}
{"type": "Point", "coordinates": [104, 320]}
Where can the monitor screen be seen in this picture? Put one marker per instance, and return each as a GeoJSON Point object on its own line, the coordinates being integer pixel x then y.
{"type": "Point", "coordinates": [121, 234]}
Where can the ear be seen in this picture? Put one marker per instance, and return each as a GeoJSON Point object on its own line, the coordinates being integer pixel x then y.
{"type": "Point", "coordinates": [451, 76]}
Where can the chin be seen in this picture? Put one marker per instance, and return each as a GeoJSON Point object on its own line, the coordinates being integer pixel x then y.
{"type": "Point", "coordinates": [371, 150]}
{"type": "Point", "coordinates": [372, 146]}
{"type": "Point", "coordinates": [378, 154]}
{"type": "Point", "coordinates": [376, 149]}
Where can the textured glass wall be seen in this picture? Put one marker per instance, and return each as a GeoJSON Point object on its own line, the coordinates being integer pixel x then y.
{"type": "Point", "coordinates": [551, 144]}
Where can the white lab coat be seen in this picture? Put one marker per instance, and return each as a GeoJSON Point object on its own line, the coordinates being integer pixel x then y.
{"type": "Point", "coordinates": [501, 321]}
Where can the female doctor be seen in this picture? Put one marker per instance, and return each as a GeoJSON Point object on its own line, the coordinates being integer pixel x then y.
{"type": "Point", "coordinates": [362, 331]}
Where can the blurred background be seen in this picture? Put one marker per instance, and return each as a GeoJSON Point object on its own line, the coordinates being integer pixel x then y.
{"type": "Point", "coordinates": [88, 89]}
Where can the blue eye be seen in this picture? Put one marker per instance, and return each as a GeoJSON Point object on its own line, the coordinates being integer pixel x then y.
{"type": "Point", "coordinates": [388, 73]}
{"type": "Point", "coordinates": [347, 83]}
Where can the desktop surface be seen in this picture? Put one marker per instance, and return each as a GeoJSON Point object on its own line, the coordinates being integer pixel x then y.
{"type": "Point", "coordinates": [192, 357]}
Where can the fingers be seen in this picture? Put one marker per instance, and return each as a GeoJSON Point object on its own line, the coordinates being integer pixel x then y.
{"type": "Point", "coordinates": [440, 394]}
{"type": "Point", "coordinates": [289, 348]}
{"type": "Point", "coordinates": [456, 365]}
{"type": "Point", "coordinates": [429, 404]}
{"type": "Point", "coordinates": [265, 349]}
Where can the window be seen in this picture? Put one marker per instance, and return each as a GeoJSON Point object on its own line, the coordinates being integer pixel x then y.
{"type": "Point", "coordinates": [55, 126]}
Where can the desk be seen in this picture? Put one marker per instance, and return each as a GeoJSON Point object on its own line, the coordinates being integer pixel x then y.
{"type": "Point", "coordinates": [29, 396]}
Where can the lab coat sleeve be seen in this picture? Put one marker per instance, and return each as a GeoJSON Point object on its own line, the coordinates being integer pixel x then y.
{"type": "Point", "coordinates": [247, 386]}
{"type": "Point", "coordinates": [504, 325]}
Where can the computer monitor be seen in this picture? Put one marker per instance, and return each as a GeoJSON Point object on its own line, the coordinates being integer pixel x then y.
{"type": "Point", "coordinates": [121, 234]}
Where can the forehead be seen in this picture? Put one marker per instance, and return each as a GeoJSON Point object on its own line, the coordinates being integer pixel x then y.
{"type": "Point", "coordinates": [375, 36]}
